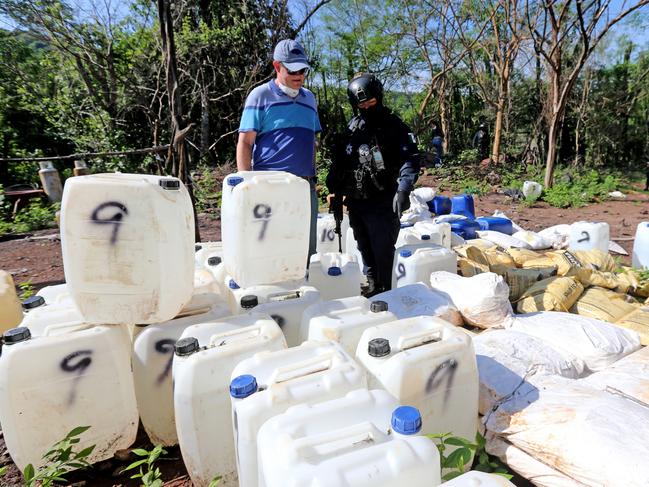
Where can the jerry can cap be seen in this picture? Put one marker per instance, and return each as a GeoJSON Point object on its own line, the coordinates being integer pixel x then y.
{"type": "Point", "coordinates": [249, 301]}
{"type": "Point", "coordinates": [234, 180]}
{"type": "Point", "coordinates": [378, 347]}
{"type": "Point", "coordinates": [232, 284]}
{"type": "Point", "coordinates": [405, 253]}
{"type": "Point", "coordinates": [243, 386]}
{"type": "Point", "coordinates": [16, 335]}
{"type": "Point", "coordinates": [33, 302]}
{"type": "Point", "coordinates": [334, 271]}
{"type": "Point", "coordinates": [406, 420]}
{"type": "Point", "coordinates": [170, 184]}
{"type": "Point", "coordinates": [214, 260]}
{"type": "Point", "coordinates": [378, 306]}
{"type": "Point", "coordinates": [186, 346]}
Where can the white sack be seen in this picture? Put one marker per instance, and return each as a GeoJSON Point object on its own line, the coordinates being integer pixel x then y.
{"type": "Point", "coordinates": [510, 361]}
{"type": "Point", "coordinates": [598, 343]}
{"type": "Point", "coordinates": [628, 377]}
{"type": "Point", "coordinates": [526, 466]}
{"type": "Point", "coordinates": [594, 437]}
{"type": "Point", "coordinates": [418, 209]}
{"type": "Point", "coordinates": [483, 300]}
{"type": "Point", "coordinates": [451, 217]}
{"type": "Point", "coordinates": [502, 239]}
{"type": "Point", "coordinates": [557, 235]}
{"type": "Point", "coordinates": [417, 300]}
{"type": "Point", "coordinates": [533, 239]}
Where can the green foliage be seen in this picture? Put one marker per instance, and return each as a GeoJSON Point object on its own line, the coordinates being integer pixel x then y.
{"type": "Point", "coordinates": [206, 193]}
{"type": "Point", "coordinates": [26, 289]}
{"type": "Point", "coordinates": [152, 477]}
{"type": "Point", "coordinates": [34, 217]}
{"type": "Point", "coordinates": [459, 458]}
{"type": "Point", "coordinates": [581, 190]}
{"type": "Point", "coordinates": [61, 459]}
{"type": "Point", "coordinates": [3, 470]}
{"type": "Point", "coordinates": [215, 481]}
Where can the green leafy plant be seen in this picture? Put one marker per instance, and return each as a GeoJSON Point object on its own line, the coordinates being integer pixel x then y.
{"type": "Point", "coordinates": [578, 191]}
{"type": "Point", "coordinates": [208, 198]}
{"type": "Point", "coordinates": [61, 459]}
{"type": "Point", "coordinates": [457, 460]}
{"type": "Point", "coordinates": [215, 481]}
{"type": "Point", "coordinates": [3, 470]}
{"type": "Point", "coordinates": [26, 289]}
{"type": "Point", "coordinates": [152, 477]}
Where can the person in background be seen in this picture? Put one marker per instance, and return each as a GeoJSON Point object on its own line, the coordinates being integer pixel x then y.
{"type": "Point", "coordinates": [646, 184]}
{"type": "Point", "coordinates": [279, 124]}
{"type": "Point", "coordinates": [374, 168]}
{"type": "Point", "coordinates": [481, 140]}
{"type": "Point", "coordinates": [438, 145]}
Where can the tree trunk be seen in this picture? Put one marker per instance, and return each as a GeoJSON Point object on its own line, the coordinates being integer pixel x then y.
{"type": "Point", "coordinates": [205, 123]}
{"type": "Point", "coordinates": [498, 130]}
{"type": "Point", "coordinates": [553, 131]}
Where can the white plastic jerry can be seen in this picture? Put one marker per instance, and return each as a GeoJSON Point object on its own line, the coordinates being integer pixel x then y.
{"type": "Point", "coordinates": [52, 384]}
{"type": "Point", "coordinates": [439, 233]}
{"type": "Point", "coordinates": [415, 263]}
{"type": "Point", "coordinates": [127, 242]}
{"type": "Point", "coordinates": [152, 358]}
{"type": "Point", "coordinates": [265, 219]}
{"type": "Point", "coordinates": [206, 250]}
{"type": "Point", "coordinates": [429, 364]}
{"type": "Point", "coordinates": [56, 294]}
{"type": "Point", "coordinates": [364, 439]}
{"type": "Point", "coordinates": [326, 233]}
{"type": "Point", "coordinates": [351, 248]}
{"type": "Point", "coordinates": [640, 255]}
{"type": "Point", "coordinates": [269, 383]}
{"type": "Point", "coordinates": [478, 479]}
{"type": "Point", "coordinates": [40, 316]}
{"type": "Point", "coordinates": [335, 275]}
{"type": "Point", "coordinates": [343, 320]}
{"type": "Point", "coordinates": [201, 396]}
{"type": "Point", "coordinates": [284, 302]}
{"type": "Point", "coordinates": [589, 236]}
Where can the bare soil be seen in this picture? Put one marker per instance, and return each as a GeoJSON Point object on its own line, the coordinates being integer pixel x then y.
{"type": "Point", "coordinates": [37, 259]}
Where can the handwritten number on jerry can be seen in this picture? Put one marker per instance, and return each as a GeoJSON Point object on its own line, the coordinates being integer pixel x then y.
{"type": "Point", "coordinates": [401, 271]}
{"type": "Point", "coordinates": [328, 234]}
{"type": "Point", "coordinates": [165, 347]}
{"type": "Point", "coordinates": [262, 213]}
{"type": "Point", "coordinates": [585, 237]}
{"type": "Point", "coordinates": [102, 216]}
{"type": "Point", "coordinates": [76, 363]}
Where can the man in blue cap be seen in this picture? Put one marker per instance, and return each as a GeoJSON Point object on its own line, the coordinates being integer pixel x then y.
{"type": "Point", "coordinates": [279, 124]}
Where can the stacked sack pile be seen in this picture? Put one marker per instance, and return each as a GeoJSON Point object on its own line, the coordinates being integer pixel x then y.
{"type": "Point", "coordinates": [261, 375]}
{"type": "Point", "coordinates": [563, 374]}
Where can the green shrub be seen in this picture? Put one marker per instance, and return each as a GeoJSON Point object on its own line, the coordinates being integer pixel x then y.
{"type": "Point", "coordinates": [584, 189]}
{"type": "Point", "coordinates": [206, 193]}
{"type": "Point", "coordinates": [36, 216]}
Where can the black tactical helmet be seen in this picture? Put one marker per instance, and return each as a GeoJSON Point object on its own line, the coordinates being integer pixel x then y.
{"type": "Point", "coordinates": [364, 87]}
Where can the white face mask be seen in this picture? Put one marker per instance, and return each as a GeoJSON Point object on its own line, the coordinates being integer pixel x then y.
{"type": "Point", "coordinates": [288, 91]}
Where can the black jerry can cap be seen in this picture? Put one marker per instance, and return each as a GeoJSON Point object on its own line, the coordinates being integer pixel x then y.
{"type": "Point", "coordinates": [378, 306]}
{"type": "Point", "coordinates": [16, 335]}
{"type": "Point", "coordinates": [170, 184]}
{"type": "Point", "coordinates": [186, 346]}
{"type": "Point", "coordinates": [33, 302]}
{"type": "Point", "coordinates": [249, 301]}
{"type": "Point", "coordinates": [378, 347]}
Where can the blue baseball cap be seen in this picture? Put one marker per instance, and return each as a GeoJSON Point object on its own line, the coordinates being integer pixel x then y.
{"type": "Point", "coordinates": [291, 54]}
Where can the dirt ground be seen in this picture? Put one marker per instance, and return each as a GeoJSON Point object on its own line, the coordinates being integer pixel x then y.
{"type": "Point", "coordinates": [37, 259]}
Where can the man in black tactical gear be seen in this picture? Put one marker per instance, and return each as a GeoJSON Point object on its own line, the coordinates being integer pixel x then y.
{"type": "Point", "coordinates": [374, 168]}
{"type": "Point", "coordinates": [481, 140]}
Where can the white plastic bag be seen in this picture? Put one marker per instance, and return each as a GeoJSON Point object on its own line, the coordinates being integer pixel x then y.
{"type": "Point", "coordinates": [557, 235]}
{"type": "Point", "coordinates": [483, 300]}
{"type": "Point", "coordinates": [591, 436]}
{"type": "Point", "coordinates": [503, 240]}
{"type": "Point", "coordinates": [509, 361]}
{"type": "Point", "coordinates": [596, 342]}
{"type": "Point", "coordinates": [417, 300]}
{"type": "Point", "coordinates": [533, 239]}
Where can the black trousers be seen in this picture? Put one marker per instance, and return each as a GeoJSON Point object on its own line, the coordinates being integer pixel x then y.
{"type": "Point", "coordinates": [376, 228]}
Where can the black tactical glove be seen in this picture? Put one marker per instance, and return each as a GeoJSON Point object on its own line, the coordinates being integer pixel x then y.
{"type": "Point", "coordinates": [401, 202]}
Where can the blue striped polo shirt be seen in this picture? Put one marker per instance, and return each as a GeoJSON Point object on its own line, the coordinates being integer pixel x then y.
{"type": "Point", "coordinates": [285, 127]}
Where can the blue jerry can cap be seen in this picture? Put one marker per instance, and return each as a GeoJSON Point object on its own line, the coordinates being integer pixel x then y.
{"type": "Point", "coordinates": [405, 253]}
{"type": "Point", "coordinates": [406, 420]}
{"type": "Point", "coordinates": [243, 386]}
{"type": "Point", "coordinates": [16, 335]}
{"type": "Point", "coordinates": [234, 180]}
{"type": "Point", "coordinates": [334, 271]}
{"type": "Point", "coordinates": [232, 284]}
